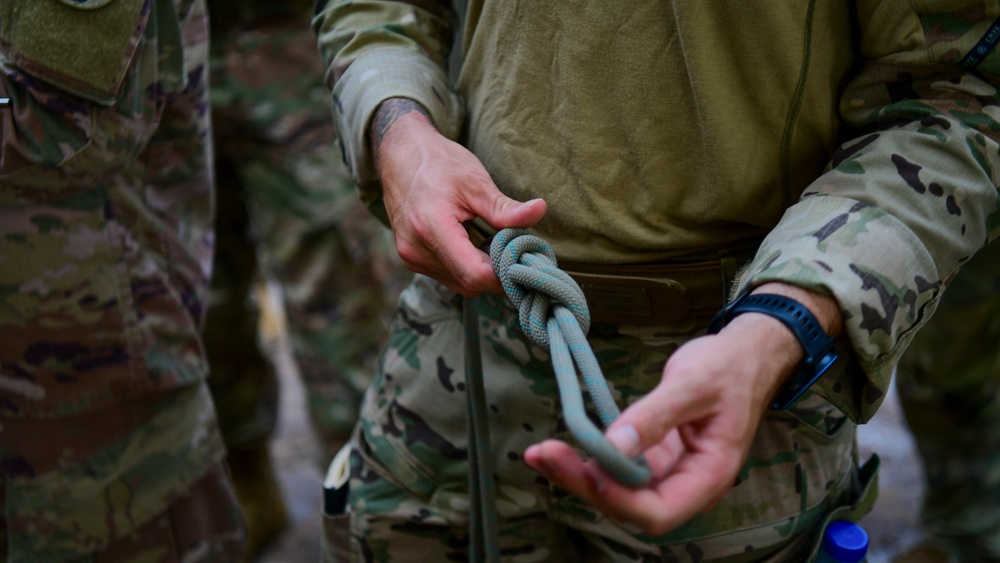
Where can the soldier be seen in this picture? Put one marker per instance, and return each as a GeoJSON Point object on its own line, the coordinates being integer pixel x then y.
{"type": "Point", "coordinates": [288, 212]}
{"type": "Point", "coordinates": [108, 439]}
{"type": "Point", "coordinates": [949, 387]}
{"type": "Point", "coordinates": [654, 145]}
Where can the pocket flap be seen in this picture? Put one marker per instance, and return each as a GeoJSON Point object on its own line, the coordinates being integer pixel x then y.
{"type": "Point", "coordinates": [81, 46]}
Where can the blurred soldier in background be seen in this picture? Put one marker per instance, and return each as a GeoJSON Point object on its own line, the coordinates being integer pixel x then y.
{"type": "Point", "coordinates": [949, 386]}
{"type": "Point", "coordinates": [287, 212]}
{"type": "Point", "coordinates": [109, 444]}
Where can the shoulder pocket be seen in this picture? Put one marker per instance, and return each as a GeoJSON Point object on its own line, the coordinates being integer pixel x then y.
{"type": "Point", "coordinates": [81, 46]}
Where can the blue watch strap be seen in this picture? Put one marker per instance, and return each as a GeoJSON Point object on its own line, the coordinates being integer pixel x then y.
{"type": "Point", "coordinates": [818, 347]}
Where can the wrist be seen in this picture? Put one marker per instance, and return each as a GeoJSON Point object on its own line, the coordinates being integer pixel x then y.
{"type": "Point", "coordinates": [824, 308]}
{"type": "Point", "coordinates": [785, 334]}
{"type": "Point", "coordinates": [770, 345]}
{"type": "Point", "coordinates": [395, 118]}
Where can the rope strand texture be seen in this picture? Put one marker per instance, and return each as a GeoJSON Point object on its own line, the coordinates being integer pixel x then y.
{"type": "Point", "coordinates": [553, 313]}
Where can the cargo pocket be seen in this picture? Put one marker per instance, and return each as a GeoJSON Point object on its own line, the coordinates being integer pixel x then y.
{"type": "Point", "coordinates": [414, 424]}
{"type": "Point", "coordinates": [806, 546]}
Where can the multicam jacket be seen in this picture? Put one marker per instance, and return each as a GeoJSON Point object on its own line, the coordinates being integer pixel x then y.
{"type": "Point", "coordinates": [105, 202]}
{"type": "Point", "coordinates": [860, 137]}
{"type": "Point", "coordinates": [105, 251]}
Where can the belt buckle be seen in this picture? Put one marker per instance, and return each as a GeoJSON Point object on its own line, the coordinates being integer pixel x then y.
{"type": "Point", "coordinates": [633, 300]}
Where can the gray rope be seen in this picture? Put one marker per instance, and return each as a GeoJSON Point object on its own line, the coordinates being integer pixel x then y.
{"type": "Point", "coordinates": [553, 313]}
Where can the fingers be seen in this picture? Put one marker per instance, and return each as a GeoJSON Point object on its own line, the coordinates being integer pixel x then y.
{"type": "Point", "coordinates": [694, 430]}
{"type": "Point", "coordinates": [540, 458]}
{"type": "Point", "coordinates": [648, 421]}
{"type": "Point", "coordinates": [427, 209]}
{"type": "Point", "coordinates": [470, 268]}
{"type": "Point", "coordinates": [697, 386]}
{"type": "Point", "coordinates": [561, 465]}
{"type": "Point", "coordinates": [696, 483]}
{"type": "Point", "coordinates": [505, 212]}
{"type": "Point", "coordinates": [700, 480]}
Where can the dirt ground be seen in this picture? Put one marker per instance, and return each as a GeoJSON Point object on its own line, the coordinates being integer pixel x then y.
{"type": "Point", "coordinates": [892, 525]}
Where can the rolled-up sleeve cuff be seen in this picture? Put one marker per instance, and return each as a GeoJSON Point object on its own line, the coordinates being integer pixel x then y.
{"type": "Point", "coordinates": [883, 278]}
{"type": "Point", "coordinates": [377, 76]}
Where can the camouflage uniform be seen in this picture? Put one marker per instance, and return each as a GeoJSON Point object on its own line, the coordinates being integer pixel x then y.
{"type": "Point", "coordinates": [949, 384]}
{"type": "Point", "coordinates": [906, 198]}
{"type": "Point", "coordinates": [289, 212]}
{"type": "Point", "coordinates": [108, 440]}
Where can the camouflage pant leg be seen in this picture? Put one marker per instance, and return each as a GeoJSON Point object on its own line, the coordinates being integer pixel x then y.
{"type": "Point", "coordinates": [243, 382]}
{"type": "Point", "coordinates": [339, 274]}
{"type": "Point", "coordinates": [949, 385]}
{"type": "Point", "coordinates": [409, 476]}
{"type": "Point", "coordinates": [335, 264]}
{"type": "Point", "coordinates": [88, 488]}
{"type": "Point", "coordinates": [201, 520]}
{"type": "Point", "coordinates": [201, 524]}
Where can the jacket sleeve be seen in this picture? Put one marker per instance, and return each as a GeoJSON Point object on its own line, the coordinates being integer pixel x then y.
{"type": "Point", "coordinates": [909, 198]}
{"type": "Point", "coordinates": [376, 50]}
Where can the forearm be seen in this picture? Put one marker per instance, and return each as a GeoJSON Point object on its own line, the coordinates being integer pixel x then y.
{"type": "Point", "coordinates": [377, 51]}
{"type": "Point", "coordinates": [388, 114]}
{"type": "Point", "coordinates": [773, 344]}
{"type": "Point", "coordinates": [823, 307]}
{"type": "Point", "coordinates": [887, 226]}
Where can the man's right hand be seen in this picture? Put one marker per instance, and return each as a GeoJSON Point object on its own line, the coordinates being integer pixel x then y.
{"type": "Point", "coordinates": [431, 186]}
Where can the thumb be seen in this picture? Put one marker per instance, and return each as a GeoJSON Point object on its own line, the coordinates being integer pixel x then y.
{"type": "Point", "coordinates": [625, 438]}
{"type": "Point", "coordinates": [506, 212]}
{"type": "Point", "coordinates": [649, 420]}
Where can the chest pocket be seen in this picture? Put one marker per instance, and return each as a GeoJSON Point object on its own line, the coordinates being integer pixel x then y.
{"type": "Point", "coordinates": [81, 46]}
{"type": "Point", "coordinates": [95, 76]}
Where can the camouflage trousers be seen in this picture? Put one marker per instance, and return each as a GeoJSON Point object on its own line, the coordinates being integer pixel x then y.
{"type": "Point", "coordinates": [949, 385]}
{"type": "Point", "coordinates": [72, 485]}
{"type": "Point", "coordinates": [409, 497]}
{"type": "Point", "coordinates": [289, 213]}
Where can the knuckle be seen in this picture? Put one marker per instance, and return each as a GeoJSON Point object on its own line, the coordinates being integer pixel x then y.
{"type": "Point", "coordinates": [465, 280]}
{"type": "Point", "coordinates": [409, 254]}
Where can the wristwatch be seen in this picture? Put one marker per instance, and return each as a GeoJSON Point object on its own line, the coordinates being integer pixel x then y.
{"type": "Point", "coordinates": [818, 347]}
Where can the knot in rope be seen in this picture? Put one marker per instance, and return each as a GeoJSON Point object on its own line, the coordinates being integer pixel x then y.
{"type": "Point", "coordinates": [552, 311]}
{"type": "Point", "coordinates": [531, 278]}
{"type": "Point", "coordinates": [553, 314]}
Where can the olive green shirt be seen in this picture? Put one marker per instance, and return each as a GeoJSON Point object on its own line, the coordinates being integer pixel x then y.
{"type": "Point", "coordinates": [851, 133]}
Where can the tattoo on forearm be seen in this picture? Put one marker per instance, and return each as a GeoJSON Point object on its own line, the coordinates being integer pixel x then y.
{"type": "Point", "coordinates": [389, 112]}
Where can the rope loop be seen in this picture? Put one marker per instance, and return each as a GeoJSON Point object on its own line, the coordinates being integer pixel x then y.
{"type": "Point", "coordinates": [552, 311]}
{"type": "Point", "coordinates": [531, 278]}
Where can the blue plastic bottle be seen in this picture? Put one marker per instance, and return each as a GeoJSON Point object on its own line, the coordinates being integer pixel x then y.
{"type": "Point", "coordinates": [843, 542]}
